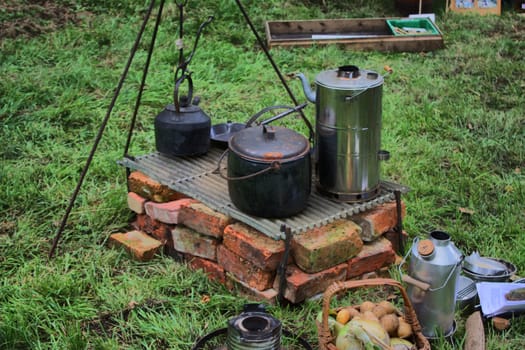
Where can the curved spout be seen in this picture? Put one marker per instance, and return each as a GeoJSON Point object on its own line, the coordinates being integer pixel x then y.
{"type": "Point", "coordinates": [310, 95]}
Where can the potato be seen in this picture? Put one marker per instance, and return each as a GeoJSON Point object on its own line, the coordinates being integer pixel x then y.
{"type": "Point", "coordinates": [353, 311]}
{"type": "Point", "coordinates": [390, 323]}
{"type": "Point", "coordinates": [370, 316]}
{"type": "Point", "coordinates": [366, 306]}
{"type": "Point", "coordinates": [379, 311]}
{"type": "Point", "coordinates": [404, 330]}
{"type": "Point", "coordinates": [390, 308]}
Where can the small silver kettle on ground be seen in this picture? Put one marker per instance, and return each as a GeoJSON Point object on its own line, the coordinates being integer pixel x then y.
{"type": "Point", "coordinates": [253, 329]}
{"type": "Point", "coordinates": [433, 271]}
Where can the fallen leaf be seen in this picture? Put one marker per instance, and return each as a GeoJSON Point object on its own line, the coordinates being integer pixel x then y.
{"type": "Point", "coordinates": [466, 211]}
{"type": "Point", "coordinates": [205, 299]}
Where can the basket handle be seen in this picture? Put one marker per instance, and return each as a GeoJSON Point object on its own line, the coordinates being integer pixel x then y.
{"type": "Point", "coordinates": [336, 287]}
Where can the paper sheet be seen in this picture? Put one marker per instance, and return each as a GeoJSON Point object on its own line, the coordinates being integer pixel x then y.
{"type": "Point", "coordinates": [493, 301]}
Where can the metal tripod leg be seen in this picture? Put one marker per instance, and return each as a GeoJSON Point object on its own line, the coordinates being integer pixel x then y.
{"type": "Point", "coordinates": [275, 68]}
{"type": "Point", "coordinates": [101, 130]}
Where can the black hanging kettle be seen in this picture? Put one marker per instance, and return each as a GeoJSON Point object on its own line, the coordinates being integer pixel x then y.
{"type": "Point", "coordinates": [182, 128]}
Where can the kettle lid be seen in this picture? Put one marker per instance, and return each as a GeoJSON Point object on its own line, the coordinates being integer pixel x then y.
{"type": "Point", "coordinates": [189, 114]}
{"type": "Point", "coordinates": [349, 77]}
{"type": "Point", "coordinates": [425, 247]}
{"type": "Point", "coordinates": [184, 108]}
{"type": "Point", "coordinates": [267, 143]}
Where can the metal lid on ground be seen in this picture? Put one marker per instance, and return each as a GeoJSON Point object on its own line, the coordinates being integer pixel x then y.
{"type": "Point", "coordinates": [484, 266]}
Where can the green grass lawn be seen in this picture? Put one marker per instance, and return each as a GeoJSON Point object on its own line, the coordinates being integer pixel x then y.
{"type": "Point", "coordinates": [453, 121]}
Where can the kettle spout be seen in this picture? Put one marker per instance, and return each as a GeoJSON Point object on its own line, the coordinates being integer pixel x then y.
{"type": "Point", "coordinates": [310, 95]}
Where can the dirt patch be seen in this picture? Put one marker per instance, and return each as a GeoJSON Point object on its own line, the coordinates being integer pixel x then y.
{"type": "Point", "coordinates": [7, 228]}
{"type": "Point", "coordinates": [30, 18]}
{"type": "Point", "coordinates": [108, 323]}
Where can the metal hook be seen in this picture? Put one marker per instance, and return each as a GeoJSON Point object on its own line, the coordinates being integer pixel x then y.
{"type": "Point", "coordinates": [182, 68]}
{"type": "Point", "coordinates": [199, 31]}
{"type": "Point", "coordinates": [181, 4]}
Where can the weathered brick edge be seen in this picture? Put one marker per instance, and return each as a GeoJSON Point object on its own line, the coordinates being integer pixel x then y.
{"type": "Point", "coordinates": [245, 260]}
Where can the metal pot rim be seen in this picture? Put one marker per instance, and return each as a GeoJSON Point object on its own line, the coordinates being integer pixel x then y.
{"type": "Point", "coordinates": [484, 266]}
{"type": "Point", "coordinates": [511, 270]}
{"type": "Point", "coordinates": [272, 160]}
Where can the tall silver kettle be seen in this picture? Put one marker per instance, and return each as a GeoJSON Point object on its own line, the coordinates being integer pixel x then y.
{"type": "Point", "coordinates": [433, 272]}
{"type": "Point", "coordinates": [348, 132]}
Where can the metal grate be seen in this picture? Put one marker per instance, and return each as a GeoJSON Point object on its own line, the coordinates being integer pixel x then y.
{"type": "Point", "coordinates": [195, 177]}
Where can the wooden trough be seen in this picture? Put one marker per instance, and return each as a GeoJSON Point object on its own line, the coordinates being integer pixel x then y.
{"type": "Point", "coordinates": [357, 34]}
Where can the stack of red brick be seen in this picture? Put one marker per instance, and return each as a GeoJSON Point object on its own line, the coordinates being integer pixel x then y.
{"type": "Point", "coordinates": [243, 258]}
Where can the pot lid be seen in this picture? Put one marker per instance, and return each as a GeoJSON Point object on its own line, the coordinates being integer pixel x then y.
{"type": "Point", "coordinates": [349, 78]}
{"type": "Point", "coordinates": [269, 143]}
{"type": "Point", "coordinates": [483, 266]}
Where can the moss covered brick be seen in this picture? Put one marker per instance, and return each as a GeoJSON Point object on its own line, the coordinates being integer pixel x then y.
{"type": "Point", "coordinates": [326, 246]}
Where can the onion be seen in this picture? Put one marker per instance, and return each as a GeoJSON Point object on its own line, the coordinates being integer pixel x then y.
{"type": "Point", "coordinates": [369, 333]}
{"type": "Point", "coordinates": [401, 344]}
{"type": "Point", "coordinates": [347, 341]}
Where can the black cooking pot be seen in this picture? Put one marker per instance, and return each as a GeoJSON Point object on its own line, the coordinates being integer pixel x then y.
{"type": "Point", "coordinates": [182, 128]}
{"type": "Point", "coordinates": [269, 170]}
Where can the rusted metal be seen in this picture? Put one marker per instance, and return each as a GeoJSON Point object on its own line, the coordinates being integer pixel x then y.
{"type": "Point", "coordinates": [399, 223]}
{"type": "Point", "coordinates": [195, 177]}
{"type": "Point", "coordinates": [281, 271]}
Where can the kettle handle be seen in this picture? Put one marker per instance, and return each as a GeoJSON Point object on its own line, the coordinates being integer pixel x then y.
{"type": "Point", "coordinates": [179, 81]}
{"type": "Point", "coordinates": [422, 284]}
{"type": "Point", "coordinates": [415, 282]}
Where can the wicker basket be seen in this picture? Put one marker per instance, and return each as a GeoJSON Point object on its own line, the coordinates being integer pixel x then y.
{"type": "Point", "coordinates": [327, 340]}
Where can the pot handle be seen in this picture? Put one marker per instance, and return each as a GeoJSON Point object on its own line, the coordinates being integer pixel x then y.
{"type": "Point", "coordinates": [290, 110]}
{"type": "Point", "coordinates": [275, 165]}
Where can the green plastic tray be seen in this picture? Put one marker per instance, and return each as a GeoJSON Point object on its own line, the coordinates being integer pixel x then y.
{"type": "Point", "coordinates": [412, 26]}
